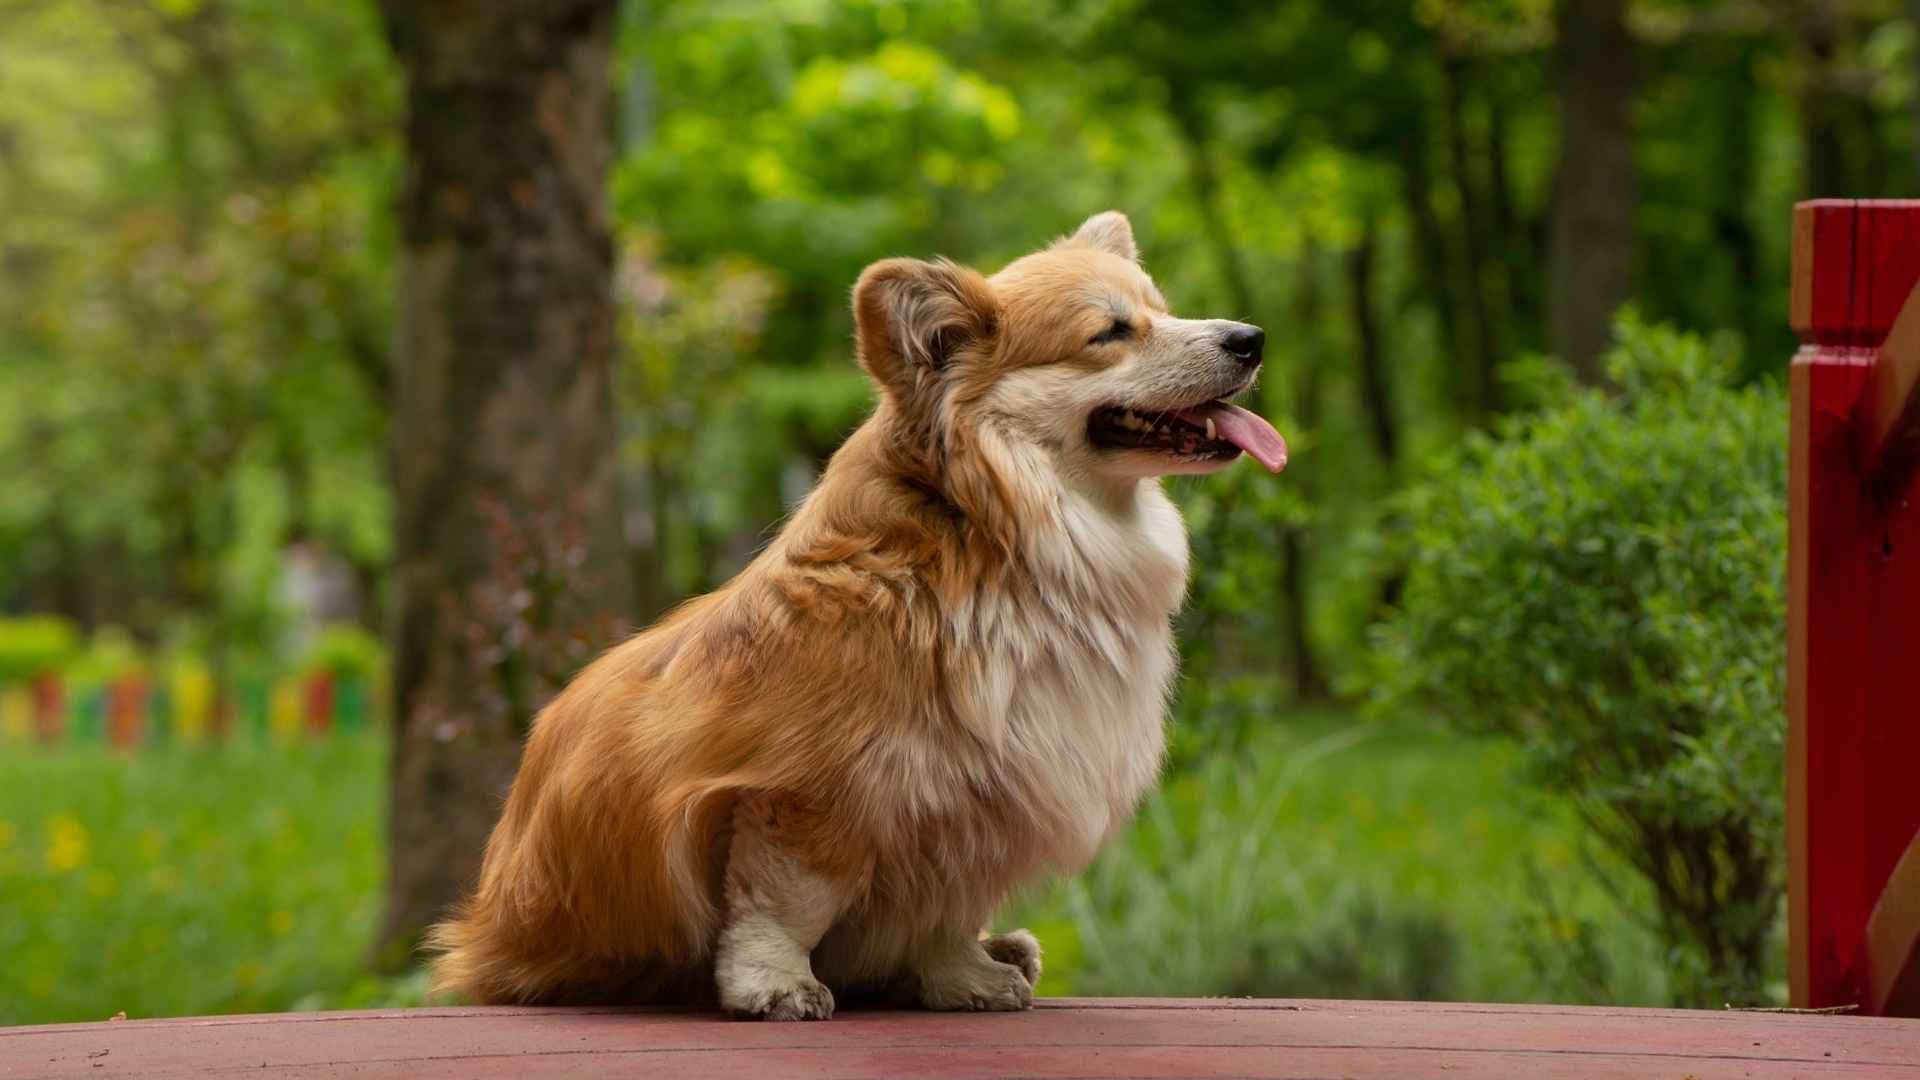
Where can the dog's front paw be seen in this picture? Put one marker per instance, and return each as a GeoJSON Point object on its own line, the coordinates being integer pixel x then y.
{"type": "Point", "coordinates": [1019, 948]}
{"type": "Point", "coordinates": [777, 996]}
{"type": "Point", "coordinates": [984, 986]}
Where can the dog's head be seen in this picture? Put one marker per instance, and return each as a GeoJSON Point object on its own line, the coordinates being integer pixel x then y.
{"type": "Point", "coordinates": [1070, 351]}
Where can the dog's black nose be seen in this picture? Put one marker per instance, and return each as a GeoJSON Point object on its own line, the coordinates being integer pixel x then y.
{"type": "Point", "coordinates": [1244, 342]}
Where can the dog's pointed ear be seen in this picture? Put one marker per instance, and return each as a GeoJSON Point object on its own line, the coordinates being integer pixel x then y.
{"type": "Point", "coordinates": [911, 318]}
{"type": "Point", "coordinates": [1110, 232]}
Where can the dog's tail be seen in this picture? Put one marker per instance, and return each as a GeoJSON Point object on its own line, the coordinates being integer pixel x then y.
{"type": "Point", "coordinates": [472, 959]}
{"type": "Point", "coordinates": [464, 964]}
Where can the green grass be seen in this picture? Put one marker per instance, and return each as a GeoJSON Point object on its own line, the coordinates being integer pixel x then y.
{"type": "Point", "coordinates": [1326, 858]}
{"type": "Point", "coordinates": [179, 880]}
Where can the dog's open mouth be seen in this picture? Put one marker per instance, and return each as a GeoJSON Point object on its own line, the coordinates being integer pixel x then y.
{"type": "Point", "coordinates": [1214, 431]}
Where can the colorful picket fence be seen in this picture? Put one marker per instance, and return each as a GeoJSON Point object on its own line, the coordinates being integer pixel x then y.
{"type": "Point", "coordinates": [187, 707]}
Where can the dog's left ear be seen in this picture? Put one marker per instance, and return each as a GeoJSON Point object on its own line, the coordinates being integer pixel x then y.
{"type": "Point", "coordinates": [1110, 232]}
{"type": "Point", "coordinates": [911, 318]}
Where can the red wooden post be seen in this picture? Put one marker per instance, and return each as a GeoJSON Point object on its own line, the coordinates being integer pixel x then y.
{"type": "Point", "coordinates": [127, 711]}
{"type": "Point", "coordinates": [319, 702]}
{"type": "Point", "coordinates": [1853, 798]}
{"type": "Point", "coordinates": [49, 707]}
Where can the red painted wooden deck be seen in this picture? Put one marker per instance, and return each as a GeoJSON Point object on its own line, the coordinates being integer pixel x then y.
{"type": "Point", "coordinates": [1061, 1038]}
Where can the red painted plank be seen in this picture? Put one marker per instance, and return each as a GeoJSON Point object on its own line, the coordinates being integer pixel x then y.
{"type": "Point", "coordinates": [1854, 262]}
{"type": "Point", "coordinates": [1823, 254]}
{"type": "Point", "coordinates": [1061, 1038]}
{"type": "Point", "coordinates": [1830, 549]}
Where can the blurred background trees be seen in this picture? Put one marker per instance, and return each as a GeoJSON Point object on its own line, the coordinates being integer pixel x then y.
{"type": "Point", "coordinates": [231, 355]}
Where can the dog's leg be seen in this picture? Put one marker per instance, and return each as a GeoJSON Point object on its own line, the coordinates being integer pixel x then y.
{"type": "Point", "coordinates": [778, 908]}
{"type": "Point", "coordinates": [1017, 947]}
{"type": "Point", "coordinates": [956, 971]}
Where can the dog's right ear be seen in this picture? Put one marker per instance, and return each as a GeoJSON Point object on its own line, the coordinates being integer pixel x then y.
{"type": "Point", "coordinates": [911, 319]}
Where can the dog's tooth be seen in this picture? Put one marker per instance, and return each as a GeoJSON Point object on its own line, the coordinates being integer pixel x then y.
{"type": "Point", "coordinates": [1210, 433]}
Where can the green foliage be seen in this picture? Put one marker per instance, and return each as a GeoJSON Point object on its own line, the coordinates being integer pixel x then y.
{"type": "Point", "coordinates": [346, 652]}
{"type": "Point", "coordinates": [1604, 583]}
{"type": "Point", "coordinates": [34, 645]}
{"type": "Point", "coordinates": [109, 654]}
{"type": "Point", "coordinates": [193, 322]}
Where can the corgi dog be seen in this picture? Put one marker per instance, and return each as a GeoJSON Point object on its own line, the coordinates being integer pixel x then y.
{"type": "Point", "coordinates": [948, 673]}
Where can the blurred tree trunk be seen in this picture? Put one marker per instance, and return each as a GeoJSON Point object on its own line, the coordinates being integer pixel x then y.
{"type": "Point", "coordinates": [1591, 250]}
{"type": "Point", "coordinates": [1518, 236]}
{"type": "Point", "coordinates": [1375, 390]}
{"type": "Point", "coordinates": [1205, 179]}
{"type": "Point", "coordinates": [508, 565]}
{"type": "Point", "coordinates": [1822, 110]}
{"type": "Point", "coordinates": [1436, 266]}
{"type": "Point", "coordinates": [1483, 307]}
{"type": "Point", "coordinates": [1309, 681]}
{"type": "Point", "coordinates": [1732, 223]}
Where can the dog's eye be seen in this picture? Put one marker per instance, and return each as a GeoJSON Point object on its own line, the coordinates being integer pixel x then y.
{"type": "Point", "coordinates": [1121, 329]}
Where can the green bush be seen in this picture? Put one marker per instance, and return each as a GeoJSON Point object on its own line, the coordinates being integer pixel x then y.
{"type": "Point", "coordinates": [1328, 857]}
{"type": "Point", "coordinates": [34, 645]}
{"type": "Point", "coordinates": [345, 652]}
{"type": "Point", "coordinates": [108, 655]}
{"type": "Point", "coordinates": [1603, 582]}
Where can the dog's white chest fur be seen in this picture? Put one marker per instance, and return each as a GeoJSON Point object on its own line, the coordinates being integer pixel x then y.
{"type": "Point", "coordinates": [1072, 673]}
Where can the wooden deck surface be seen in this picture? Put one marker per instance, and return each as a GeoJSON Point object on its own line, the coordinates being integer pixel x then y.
{"type": "Point", "coordinates": [1061, 1038]}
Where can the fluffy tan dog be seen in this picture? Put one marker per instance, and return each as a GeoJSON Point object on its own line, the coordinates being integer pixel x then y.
{"type": "Point", "coordinates": [946, 675]}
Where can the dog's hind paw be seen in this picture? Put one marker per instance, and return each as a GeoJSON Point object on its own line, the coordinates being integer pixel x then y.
{"type": "Point", "coordinates": [982, 986]}
{"type": "Point", "coordinates": [1019, 948]}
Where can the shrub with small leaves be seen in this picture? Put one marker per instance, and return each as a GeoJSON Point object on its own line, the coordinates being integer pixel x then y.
{"type": "Point", "coordinates": [1603, 581]}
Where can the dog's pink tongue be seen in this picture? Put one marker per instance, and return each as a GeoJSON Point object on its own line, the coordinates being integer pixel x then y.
{"type": "Point", "coordinates": [1243, 429]}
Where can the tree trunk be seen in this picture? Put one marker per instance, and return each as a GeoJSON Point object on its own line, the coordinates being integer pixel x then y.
{"type": "Point", "coordinates": [1309, 681]}
{"type": "Point", "coordinates": [1517, 234]}
{"type": "Point", "coordinates": [508, 564]}
{"type": "Point", "coordinates": [1732, 223]}
{"type": "Point", "coordinates": [1822, 114]}
{"type": "Point", "coordinates": [1489, 350]}
{"type": "Point", "coordinates": [1435, 264]}
{"type": "Point", "coordinates": [1592, 247]}
{"type": "Point", "coordinates": [1375, 390]}
{"type": "Point", "coordinates": [1205, 179]}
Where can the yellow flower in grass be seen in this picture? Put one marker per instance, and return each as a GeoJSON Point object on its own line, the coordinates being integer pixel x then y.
{"type": "Point", "coordinates": [281, 923]}
{"type": "Point", "coordinates": [7, 833]}
{"type": "Point", "coordinates": [66, 844]}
